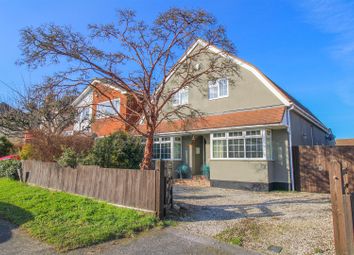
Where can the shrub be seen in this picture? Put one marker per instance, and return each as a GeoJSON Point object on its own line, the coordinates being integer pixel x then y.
{"type": "Point", "coordinates": [26, 151]}
{"type": "Point", "coordinates": [119, 150]}
{"type": "Point", "coordinates": [68, 158]}
{"type": "Point", "coordinates": [50, 147]}
{"type": "Point", "coordinates": [5, 146]}
{"type": "Point", "coordinates": [8, 168]}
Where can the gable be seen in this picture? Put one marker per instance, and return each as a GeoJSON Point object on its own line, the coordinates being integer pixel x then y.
{"type": "Point", "coordinates": [265, 97]}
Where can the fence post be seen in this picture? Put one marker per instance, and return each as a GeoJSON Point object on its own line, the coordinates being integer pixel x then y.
{"type": "Point", "coordinates": [341, 210]}
{"type": "Point", "coordinates": [160, 188]}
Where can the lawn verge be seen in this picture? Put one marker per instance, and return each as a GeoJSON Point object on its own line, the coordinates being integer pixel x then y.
{"type": "Point", "coordinates": [67, 221]}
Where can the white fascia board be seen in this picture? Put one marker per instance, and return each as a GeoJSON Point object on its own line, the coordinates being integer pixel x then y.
{"type": "Point", "coordinates": [82, 96]}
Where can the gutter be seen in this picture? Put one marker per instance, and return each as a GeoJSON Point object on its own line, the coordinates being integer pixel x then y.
{"type": "Point", "coordinates": [292, 178]}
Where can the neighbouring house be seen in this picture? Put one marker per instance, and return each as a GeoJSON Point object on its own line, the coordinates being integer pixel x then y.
{"type": "Point", "coordinates": [96, 115]}
{"type": "Point", "coordinates": [246, 133]}
{"type": "Point", "coordinates": [345, 142]}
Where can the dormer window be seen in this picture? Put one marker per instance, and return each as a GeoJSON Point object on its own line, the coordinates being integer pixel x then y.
{"type": "Point", "coordinates": [181, 97]}
{"type": "Point", "coordinates": [218, 88]}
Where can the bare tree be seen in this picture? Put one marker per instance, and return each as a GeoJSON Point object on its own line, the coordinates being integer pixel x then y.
{"type": "Point", "coordinates": [139, 59]}
{"type": "Point", "coordinates": [41, 107]}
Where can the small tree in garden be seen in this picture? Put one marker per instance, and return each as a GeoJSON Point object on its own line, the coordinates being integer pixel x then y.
{"type": "Point", "coordinates": [139, 60]}
{"type": "Point", "coordinates": [5, 146]}
{"type": "Point", "coordinates": [119, 150]}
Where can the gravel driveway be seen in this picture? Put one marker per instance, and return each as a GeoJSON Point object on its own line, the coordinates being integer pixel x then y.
{"type": "Point", "coordinates": [300, 223]}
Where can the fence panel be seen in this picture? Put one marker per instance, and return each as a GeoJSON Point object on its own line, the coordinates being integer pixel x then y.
{"type": "Point", "coordinates": [311, 164]}
{"type": "Point", "coordinates": [126, 187]}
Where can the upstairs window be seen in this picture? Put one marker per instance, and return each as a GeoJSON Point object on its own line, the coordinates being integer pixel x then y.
{"type": "Point", "coordinates": [218, 89]}
{"type": "Point", "coordinates": [105, 109]}
{"type": "Point", "coordinates": [181, 97]}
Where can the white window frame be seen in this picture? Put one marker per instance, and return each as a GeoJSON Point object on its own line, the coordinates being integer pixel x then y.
{"type": "Point", "coordinates": [178, 95]}
{"type": "Point", "coordinates": [217, 85]}
{"type": "Point", "coordinates": [172, 141]}
{"type": "Point", "coordinates": [265, 134]}
{"type": "Point", "coordinates": [100, 115]}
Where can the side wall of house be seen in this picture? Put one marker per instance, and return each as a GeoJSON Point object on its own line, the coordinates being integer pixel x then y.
{"type": "Point", "coordinates": [305, 133]}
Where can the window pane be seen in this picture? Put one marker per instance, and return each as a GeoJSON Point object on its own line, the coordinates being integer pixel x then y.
{"type": "Point", "coordinates": [177, 153]}
{"type": "Point", "coordinates": [236, 148]}
{"type": "Point", "coordinates": [222, 87]}
{"type": "Point", "coordinates": [219, 149]}
{"type": "Point", "coordinates": [235, 134]}
{"type": "Point", "coordinates": [184, 96]}
{"type": "Point", "coordinates": [254, 148]}
{"type": "Point", "coordinates": [175, 99]}
{"type": "Point", "coordinates": [213, 91]}
{"type": "Point", "coordinates": [165, 150]}
{"type": "Point", "coordinates": [105, 109]}
{"type": "Point", "coordinates": [253, 132]}
{"type": "Point", "coordinates": [218, 135]}
{"type": "Point", "coordinates": [156, 151]}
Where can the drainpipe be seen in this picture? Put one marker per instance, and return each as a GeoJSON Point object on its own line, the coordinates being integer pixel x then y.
{"type": "Point", "coordinates": [292, 178]}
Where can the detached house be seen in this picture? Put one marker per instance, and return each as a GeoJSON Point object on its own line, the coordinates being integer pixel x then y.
{"type": "Point", "coordinates": [245, 135]}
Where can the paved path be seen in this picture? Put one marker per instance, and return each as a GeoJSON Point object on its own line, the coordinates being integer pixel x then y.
{"type": "Point", "coordinates": [14, 241]}
{"type": "Point", "coordinates": [167, 241]}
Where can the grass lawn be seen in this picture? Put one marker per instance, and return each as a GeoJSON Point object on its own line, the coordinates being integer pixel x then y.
{"type": "Point", "coordinates": [67, 221]}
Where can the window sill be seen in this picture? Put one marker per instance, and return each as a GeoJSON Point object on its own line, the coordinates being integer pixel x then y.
{"type": "Point", "coordinates": [212, 99]}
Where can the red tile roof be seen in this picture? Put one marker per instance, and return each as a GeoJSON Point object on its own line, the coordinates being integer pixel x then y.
{"type": "Point", "coordinates": [264, 116]}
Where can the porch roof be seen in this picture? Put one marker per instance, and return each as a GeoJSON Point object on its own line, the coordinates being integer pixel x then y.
{"type": "Point", "coordinates": [258, 117]}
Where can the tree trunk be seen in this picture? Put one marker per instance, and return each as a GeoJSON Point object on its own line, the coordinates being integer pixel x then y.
{"type": "Point", "coordinates": [148, 151]}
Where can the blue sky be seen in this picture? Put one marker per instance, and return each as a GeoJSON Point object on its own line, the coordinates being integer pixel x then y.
{"type": "Point", "coordinates": [305, 46]}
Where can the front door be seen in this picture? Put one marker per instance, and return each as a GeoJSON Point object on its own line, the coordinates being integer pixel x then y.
{"type": "Point", "coordinates": [196, 150]}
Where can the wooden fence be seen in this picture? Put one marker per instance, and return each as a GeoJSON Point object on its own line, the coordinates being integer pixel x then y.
{"type": "Point", "coordinates": [147, 190]}
{"type": "Point", "coordinates": [342, 207]}
{"type": "Point", "coordinates": [311, 164]}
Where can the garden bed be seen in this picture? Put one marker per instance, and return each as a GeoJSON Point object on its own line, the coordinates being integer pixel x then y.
{"type": "Point", "coordinates": [67, 221]}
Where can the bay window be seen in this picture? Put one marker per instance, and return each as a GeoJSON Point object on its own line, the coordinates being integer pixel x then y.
{"type": "Point", "coordinates": [167, 148]}
{"type": "Point", "coordinates": [251, 144]}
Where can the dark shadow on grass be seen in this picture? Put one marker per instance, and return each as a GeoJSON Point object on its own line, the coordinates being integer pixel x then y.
{"type": "Point", "coordinates": [11, 217]}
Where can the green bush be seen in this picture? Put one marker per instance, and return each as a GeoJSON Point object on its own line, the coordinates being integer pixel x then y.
{"type": "Point", "coordinates": [26, 151]}
{"type": "Point", "coordinates": [119, 150]}
{"type": "Point", "coordinates": [68, 158]}
{"type": "Point", "coordinates": [5, 146]}
{"type": "Point", "coordinates": [8, 168]}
